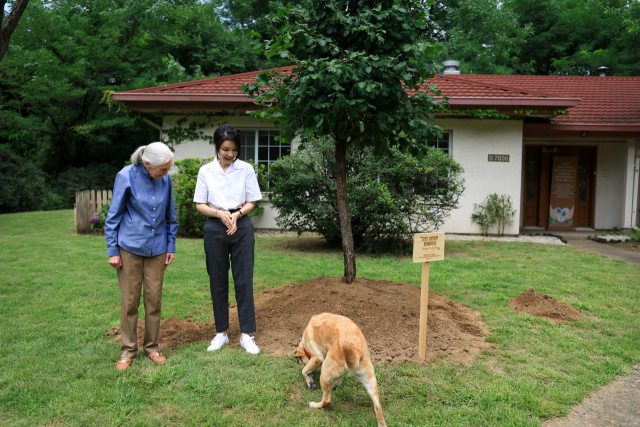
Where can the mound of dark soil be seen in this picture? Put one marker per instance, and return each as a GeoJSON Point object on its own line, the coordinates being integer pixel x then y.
{"type": "Point", "coordinates": [387, 313]}
{"type": "Point", "coordinates": [542, 305]}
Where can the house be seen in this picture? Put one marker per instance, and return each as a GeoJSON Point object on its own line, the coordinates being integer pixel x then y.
{"type": "Point", "coordinates": [575, 171]}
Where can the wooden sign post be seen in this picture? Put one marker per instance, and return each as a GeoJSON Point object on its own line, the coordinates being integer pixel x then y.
{"type": "Point", "coordinates": [427, 247]}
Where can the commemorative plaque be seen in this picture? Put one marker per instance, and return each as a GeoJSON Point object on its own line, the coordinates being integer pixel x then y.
{"type": "Point", "coordinates": [427, 247]}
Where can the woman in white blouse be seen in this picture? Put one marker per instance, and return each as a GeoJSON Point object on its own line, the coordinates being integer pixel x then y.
{"type": "Point", "coordinates": [226, 192]}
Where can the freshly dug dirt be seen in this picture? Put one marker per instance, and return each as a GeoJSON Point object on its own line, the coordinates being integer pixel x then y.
{"type": "Point", "coordinates": [173, 332]}
{"type": "Point", "coordinates": [387, 313]}
{"type": "Point", "coordinates": [542, 305]}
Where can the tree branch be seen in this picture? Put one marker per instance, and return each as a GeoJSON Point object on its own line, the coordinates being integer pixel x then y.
{"type": "Point", "coordinates": [9, 26]}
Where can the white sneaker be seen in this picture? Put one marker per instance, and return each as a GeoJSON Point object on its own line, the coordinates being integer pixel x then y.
{"type": "Point", "coordinates": [249, 344]}
{"type": "Point", "coordinates": [218, 342]}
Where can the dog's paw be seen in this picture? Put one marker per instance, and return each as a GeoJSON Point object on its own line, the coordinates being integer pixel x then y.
{"type": "Point", "coordinates": [312, 384]}
{"type": "Point", "coordinates": [315, 404]}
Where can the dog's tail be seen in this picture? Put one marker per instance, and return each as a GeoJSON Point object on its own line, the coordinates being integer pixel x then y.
{"type": "Point", "coordinates": [351, 355]}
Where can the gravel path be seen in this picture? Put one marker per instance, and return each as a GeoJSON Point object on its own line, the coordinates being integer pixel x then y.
{"type": "Point", "coordinates": [548, 240]}
{"type": "Point", "coordinates": [616, 404]}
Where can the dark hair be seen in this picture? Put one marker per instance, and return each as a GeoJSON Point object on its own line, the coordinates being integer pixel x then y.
{"type": "Point", "coordinates": [226, 133]}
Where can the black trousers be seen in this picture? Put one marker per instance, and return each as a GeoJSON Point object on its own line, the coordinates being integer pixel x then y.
{"type": "Point", "coordinates": [219, 248]}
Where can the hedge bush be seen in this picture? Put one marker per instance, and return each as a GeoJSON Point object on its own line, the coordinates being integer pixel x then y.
{"type": "Point", "coordinates": [184, 186]}
{"type": "Point", "coordinates": [97, 176]}
{"type": "Point", "coordinates": [389, 197]}
{"type": "Point", "coordinates": [23, 186]}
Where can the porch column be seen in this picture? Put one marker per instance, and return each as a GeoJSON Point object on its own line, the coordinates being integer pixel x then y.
{"type": "Point", "coordinates": [630, 185]}
{"type": "Point", "coordinates": [636, 216]}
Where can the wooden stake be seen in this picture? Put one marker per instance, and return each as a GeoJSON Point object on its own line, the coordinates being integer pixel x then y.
{"type": "Point", "coordinates": [424, 307]}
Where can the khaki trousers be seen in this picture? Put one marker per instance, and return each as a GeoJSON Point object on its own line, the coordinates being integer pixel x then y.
{"type": "Point", "coordinates": [135, 271]}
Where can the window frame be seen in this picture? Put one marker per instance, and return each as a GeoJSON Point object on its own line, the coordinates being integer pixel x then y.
{"type": "Point", "coordinates": [449, 150]}
{"type": "Point", "coordinates": [256, 145]}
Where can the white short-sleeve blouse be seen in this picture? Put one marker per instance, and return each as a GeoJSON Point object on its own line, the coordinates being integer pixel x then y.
{"type": "Point", "coordinates": [227, 190]}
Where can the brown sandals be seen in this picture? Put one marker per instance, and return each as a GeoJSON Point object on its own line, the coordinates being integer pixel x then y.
{"type": "Point", "coordinates": [123, 363]}
{"type": "Point", "coordinates": [157, 357]}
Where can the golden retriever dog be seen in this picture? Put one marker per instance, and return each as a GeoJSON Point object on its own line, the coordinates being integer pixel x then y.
{"type": "Point", "coordinates": [337, 345]}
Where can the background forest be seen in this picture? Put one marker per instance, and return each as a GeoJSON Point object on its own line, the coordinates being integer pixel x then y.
{"type": "Point", "coordinates": [58, 136]}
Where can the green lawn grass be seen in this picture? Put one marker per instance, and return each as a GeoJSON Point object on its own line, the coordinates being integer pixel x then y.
{"type": "Point", "coordinates": [58, 296]}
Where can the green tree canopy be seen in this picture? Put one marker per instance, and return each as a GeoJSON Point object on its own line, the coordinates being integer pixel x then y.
{"type": "Point", "coordinates": [575, 37]}
{"type": "Point", "coordinates": [542, 37]}
{"type": "Point", "coordinates": [486, 36]}
{"type": "Point", "coordinates": [66, 54]}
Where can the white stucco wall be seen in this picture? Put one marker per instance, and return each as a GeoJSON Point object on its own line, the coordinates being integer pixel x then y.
{"type": "Point", "coordinates": [472, 142]}
{"type": "Point", "coordinates": [266, 221]}
{"type": "Point", "coordinates": [609, 189]}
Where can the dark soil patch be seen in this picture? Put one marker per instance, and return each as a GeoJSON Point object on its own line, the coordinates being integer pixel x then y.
{"type": "Point", "coordinates": [173, 332]}
{"type": "Point", "coordinates": [542, 305]}
{"type": "Point", "coordinates": [630, 246]}
{"type": "Point", "coordinates": [387, 313]}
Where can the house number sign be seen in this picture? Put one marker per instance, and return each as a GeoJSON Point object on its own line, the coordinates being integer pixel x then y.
{"type": "Point", "coordinates": [498, 157]}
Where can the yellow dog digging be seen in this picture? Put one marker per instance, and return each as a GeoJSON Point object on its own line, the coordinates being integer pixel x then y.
{"type": "Point", "coordinates": [337, 345]}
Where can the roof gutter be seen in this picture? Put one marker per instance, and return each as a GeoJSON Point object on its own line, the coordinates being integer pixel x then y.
{"type": "Point", "coordinates": [625, 127]}
{"type": "Point", "coordinates": [480, 102]}
{"type": "Point", "coordinates": [194, 101]}
{"type": "Point", "coordinates": [179, 97]}
{"type": "Point", "coordinates": [594, 127]}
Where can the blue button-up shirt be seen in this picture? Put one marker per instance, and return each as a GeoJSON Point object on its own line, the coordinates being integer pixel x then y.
{"type": "Point", "coordinates": [142, 217]}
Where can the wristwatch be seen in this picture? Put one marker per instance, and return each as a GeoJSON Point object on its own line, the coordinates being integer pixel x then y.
{"type": "Point", "coordinates": [241, 214]}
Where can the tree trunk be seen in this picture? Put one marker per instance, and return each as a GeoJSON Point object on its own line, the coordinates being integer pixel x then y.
{"type": "Point", "coordinates": [345, 213]}
{"type": "Point", "coordinates": [10, 24]}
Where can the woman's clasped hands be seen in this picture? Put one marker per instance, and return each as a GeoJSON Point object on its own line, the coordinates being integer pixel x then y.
{"type": "Point", "coordinates": [229, 220]}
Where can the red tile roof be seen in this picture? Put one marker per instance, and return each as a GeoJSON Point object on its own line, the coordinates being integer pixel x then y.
{"type": "Point", "coordinates": [603, 100]}
{"type": "Point", "coordinates": [590, 100]}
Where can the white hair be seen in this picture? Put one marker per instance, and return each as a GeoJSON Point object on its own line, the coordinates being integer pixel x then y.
{"type": "Point", "coordinates": [155, 154]}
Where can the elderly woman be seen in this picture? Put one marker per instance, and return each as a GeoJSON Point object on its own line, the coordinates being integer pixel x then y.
{"type": "Point", "coordinates": [226, 191]}
{"type": "Point", "coordinates": [141, 230]}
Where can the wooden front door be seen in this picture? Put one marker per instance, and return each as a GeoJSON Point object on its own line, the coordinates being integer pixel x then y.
{"type": "Point", "coordinates": [538, 162]}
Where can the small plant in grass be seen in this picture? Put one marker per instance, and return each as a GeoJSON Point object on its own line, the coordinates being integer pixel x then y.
{"type": "Point", "coordinates": [635, 234]}
{"type": "Point", "coordinates": [98, 219]}
{"type": "Point", "coordinates": [482, 217]}
{"type": "Point", "coordinates": [496, 209]}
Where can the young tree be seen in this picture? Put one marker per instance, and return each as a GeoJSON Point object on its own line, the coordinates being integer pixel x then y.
{"type": "Point", "coordinates": [10, 24]}
{"type": "Point", "coordinates": [364, 82]}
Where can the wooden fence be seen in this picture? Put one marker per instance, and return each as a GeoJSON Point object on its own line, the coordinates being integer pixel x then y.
{"type": "Point", "coordinates": [87, 203]}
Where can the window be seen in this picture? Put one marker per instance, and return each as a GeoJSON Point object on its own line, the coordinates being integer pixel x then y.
{"type": "Point", "coordinates": [262, 146]}
{"type": "Point", "coordinates": [443, 143]}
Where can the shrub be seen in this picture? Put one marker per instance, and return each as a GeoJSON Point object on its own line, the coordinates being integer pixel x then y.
{"type": "Point", "coordinates": [495, 209]}
{"type": "Point", "coordinates": [91, 177]}
{"type": "Point", "coordinates": [184, 186]}
{"type": "Point", "coordinates": [23, 186]}
{"type": "Point", "coordinates": [389, 197]}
